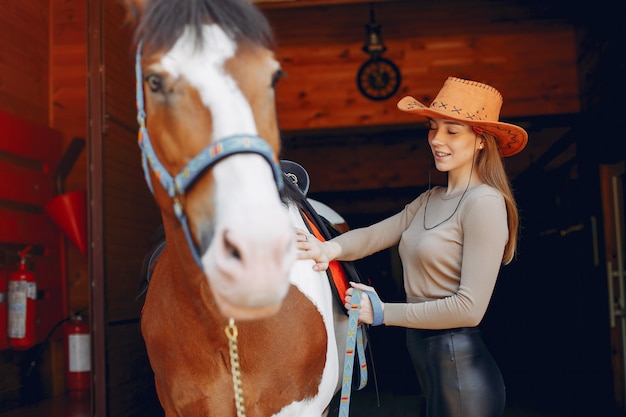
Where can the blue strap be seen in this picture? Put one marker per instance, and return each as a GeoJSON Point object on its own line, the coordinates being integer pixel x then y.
{"type": "Point", "coordinates": [208, 157]}
{"type": "Point", "coordinates": [377, 307]}
{"type": "Point", "coordinates": [354, 337]}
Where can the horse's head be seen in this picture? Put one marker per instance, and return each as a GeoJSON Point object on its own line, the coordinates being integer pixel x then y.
{"type": "Point", "coordinates": [209, 137]}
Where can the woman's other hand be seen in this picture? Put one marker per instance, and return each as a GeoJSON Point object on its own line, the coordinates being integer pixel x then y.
{"type": "Point", "coordinates": [366, 312]}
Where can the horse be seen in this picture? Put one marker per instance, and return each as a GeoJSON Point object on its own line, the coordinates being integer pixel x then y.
{"type": "Point", "coordinates": [210, 142]}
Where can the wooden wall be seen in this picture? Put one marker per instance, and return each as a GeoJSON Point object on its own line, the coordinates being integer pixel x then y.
{"type": "Point", "coordinates": [529, 58]}
{"type": "Point", "coordinates": [43, 80]}
{"type": "Point", "coordinates": [68, 78]}
{"type": "Point", "coordinates": [24, 83]}
{"type": "Point", "coordinates": [24, 63]}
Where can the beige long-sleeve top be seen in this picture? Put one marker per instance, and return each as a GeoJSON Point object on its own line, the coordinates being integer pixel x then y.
{"type": "Point", "coordinates": [449, 271]}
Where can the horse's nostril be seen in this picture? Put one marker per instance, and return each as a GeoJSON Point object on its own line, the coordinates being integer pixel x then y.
{"type": "Point", "coordinates": [231, 249]}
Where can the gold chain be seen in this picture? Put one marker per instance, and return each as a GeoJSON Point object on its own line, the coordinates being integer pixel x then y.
{"type": "Point", "coordinates": [233, 352]}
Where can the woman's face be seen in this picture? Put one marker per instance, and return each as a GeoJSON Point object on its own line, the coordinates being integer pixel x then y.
{"type": "Point", "coordinates": [453, 144]}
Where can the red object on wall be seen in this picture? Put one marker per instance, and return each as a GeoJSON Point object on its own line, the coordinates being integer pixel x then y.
{"type": "Point", "coordinates": [69, 212]}
{"type": "Point", "coordinates": [78, 357]}
{"type": "Point", "coordinates": [22, 295]}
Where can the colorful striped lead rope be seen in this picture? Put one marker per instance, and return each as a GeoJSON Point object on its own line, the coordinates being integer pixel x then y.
{"type": "Point", "coordinates": [354, 337]}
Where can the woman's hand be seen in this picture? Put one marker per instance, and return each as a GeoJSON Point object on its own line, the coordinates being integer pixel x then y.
{"type": "Point", "coordinates": [309, 247]}
{"type": "Point", "coordinates": [366, 312]}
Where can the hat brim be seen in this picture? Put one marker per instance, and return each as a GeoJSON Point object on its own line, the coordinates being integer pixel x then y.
{"type": "Point", "coordinates": [511, 138]}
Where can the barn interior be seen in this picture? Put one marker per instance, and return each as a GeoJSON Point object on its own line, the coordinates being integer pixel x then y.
{"type": "Point", "coordinates": [68, 128]}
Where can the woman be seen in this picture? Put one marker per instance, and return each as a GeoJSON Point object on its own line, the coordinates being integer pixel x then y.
{"type": "Point", "coordinates": [452, 241]}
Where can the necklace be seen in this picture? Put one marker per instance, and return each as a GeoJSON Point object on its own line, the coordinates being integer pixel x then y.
{"type": "Point", "coordinates": [450, 216]}
{"type": "Point", "coordinates": [469, 181]}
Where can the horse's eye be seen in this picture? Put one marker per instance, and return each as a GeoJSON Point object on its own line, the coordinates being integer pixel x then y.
{"type": "Point", "coordinates": [155, 82]}
{"type": "Point", "coordinates": [277, 76]}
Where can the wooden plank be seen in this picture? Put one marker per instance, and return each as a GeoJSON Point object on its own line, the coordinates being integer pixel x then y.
{"type": "Point", "coordinates": [68, 81]}
{"type": "Point", "coordinates": [341, 24]}
{"type": "Point", "coordinates": [15, 102]}
{"type": "Point", "coordinates": [69, 22]}
{"type": "Point", "coordinates": [24, 59]}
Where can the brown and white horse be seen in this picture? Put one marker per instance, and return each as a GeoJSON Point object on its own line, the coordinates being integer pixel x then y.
{"type": "Point", "coordinates": [209, 139]}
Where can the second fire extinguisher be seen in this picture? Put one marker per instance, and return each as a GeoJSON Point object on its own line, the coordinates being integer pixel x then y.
{"type": "Point", "coordinates": [78, 356]}
{"type": "Point", "coordinates": [22, 296]}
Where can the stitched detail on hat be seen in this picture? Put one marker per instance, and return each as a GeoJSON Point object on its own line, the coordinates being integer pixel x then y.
{"type": "Point", "coordinates": [439, 104]}
{"type": "Point", "coordinates": [512, 139]}
{"type": "Point", "coordinates": [476, 84]}
{"type": "Point", "coordinates": [413, 104]}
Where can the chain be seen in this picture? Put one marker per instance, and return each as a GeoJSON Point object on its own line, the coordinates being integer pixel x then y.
{"type": "Point", "coordinates": [233, 352]}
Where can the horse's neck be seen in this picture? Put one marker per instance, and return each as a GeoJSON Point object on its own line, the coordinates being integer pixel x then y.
{"type": "Point", "coordinates": [181, 273]}
{"type": "Point", "coordinates": [177, 246]}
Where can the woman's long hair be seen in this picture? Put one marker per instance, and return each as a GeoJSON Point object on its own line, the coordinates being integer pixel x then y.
{"type": "Point", "coordinates": [490, 169]}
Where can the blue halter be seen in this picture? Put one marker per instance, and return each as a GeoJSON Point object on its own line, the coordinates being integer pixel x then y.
{"type": "Point", "coordinates": [177, 186]}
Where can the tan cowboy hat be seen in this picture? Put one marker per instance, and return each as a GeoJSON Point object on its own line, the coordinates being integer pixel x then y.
{"type": "Point", "coordinates": [473, 103]}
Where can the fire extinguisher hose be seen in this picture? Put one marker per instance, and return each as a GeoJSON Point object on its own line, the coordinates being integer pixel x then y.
{"type": "Point", "coordinates": [37, 355]}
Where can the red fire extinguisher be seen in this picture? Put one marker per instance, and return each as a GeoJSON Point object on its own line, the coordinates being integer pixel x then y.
{"type": "Point", "coordinates": [78, 356]}
{"type": "Point", "coordinates": [22, 296]}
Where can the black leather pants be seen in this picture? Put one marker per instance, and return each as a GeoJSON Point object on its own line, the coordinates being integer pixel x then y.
{"type": "Point", "coordinates": [458, 375]}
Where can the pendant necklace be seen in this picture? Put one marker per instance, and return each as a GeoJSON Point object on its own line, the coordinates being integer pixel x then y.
{"type": "Point", "coordinates": [457, 206]}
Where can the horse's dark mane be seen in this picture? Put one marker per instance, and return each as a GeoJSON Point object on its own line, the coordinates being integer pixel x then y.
{"type": "Point", "coordinates": [163, 21]}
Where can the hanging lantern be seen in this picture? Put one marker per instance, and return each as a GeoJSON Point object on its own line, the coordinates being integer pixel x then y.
{"type": "Point", "coordinates": [373, 38]}
{"type": "Point", "coordinates": [378, 78]}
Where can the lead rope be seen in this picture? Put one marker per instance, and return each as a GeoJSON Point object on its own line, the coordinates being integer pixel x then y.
{"type": "Point", "coordinates": [233, 352]}
{"type": "Point", "coordinates": [355, 337]}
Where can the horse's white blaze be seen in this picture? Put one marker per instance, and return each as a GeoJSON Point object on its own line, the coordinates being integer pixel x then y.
{"type": "Point", "coordinates": [253, 248]}
{"type": "Point", "coordinates": [249, 212]}
{"type": "Point", "coordinates": [204, 69]}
